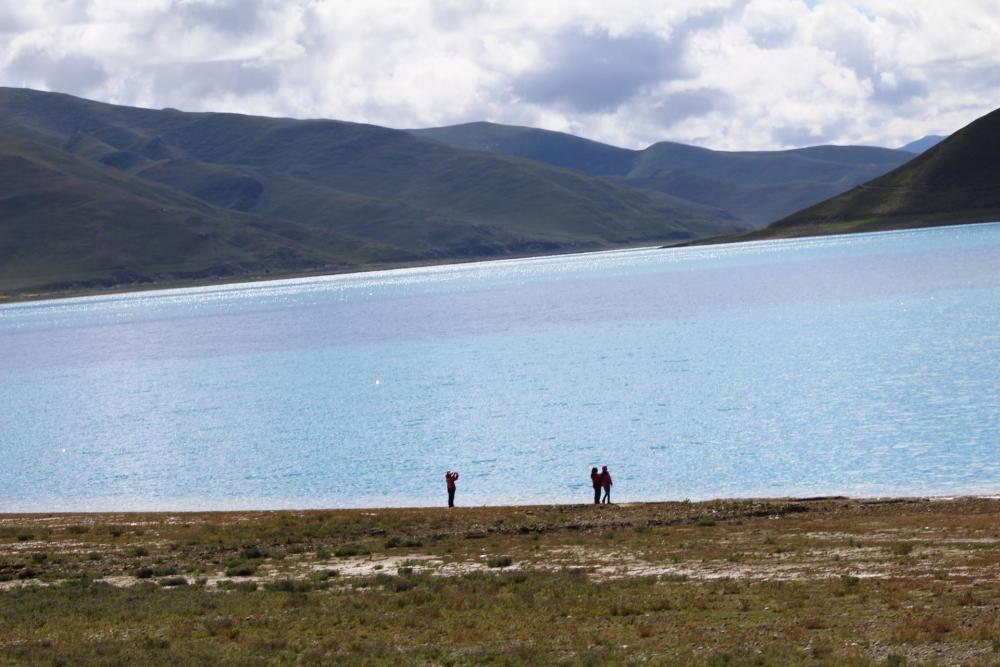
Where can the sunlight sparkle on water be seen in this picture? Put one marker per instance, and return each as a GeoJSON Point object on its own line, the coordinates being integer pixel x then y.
{"type": "Point", "coordinates": [858, 365]}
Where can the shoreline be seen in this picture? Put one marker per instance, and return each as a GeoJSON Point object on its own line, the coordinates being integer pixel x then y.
{"type": "Point", "coordinates": [514, 508]}
{"type": "Point", "coordinates": [35, 297]}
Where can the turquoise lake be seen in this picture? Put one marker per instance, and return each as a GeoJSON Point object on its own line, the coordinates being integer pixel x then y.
{"type": "Point", "coordinates": [860, 365]}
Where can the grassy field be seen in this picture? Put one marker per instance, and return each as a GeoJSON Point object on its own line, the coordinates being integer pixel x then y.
{"type": "Point", "coordinates": [816, 582]}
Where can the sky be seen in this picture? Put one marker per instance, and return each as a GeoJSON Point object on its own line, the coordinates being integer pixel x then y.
{"type": "Point", "coordinates": [724, 74]}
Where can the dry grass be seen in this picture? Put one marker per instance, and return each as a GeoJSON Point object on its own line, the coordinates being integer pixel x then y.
{"type": "Point", "coordinates": [829, 581]}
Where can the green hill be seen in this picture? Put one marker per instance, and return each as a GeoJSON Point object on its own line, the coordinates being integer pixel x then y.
{"type": "Point", "coordinates": [756, 187]}
{"type": "Point", "coordinates": [69, 224]}
{"type": "Point", "coordinates": [956, 181]}
{"type": "Point", "coordinates": [249, 194]}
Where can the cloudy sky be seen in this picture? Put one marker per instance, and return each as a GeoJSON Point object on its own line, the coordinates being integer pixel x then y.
{"type": "Point", "coordinates": [727, 74]}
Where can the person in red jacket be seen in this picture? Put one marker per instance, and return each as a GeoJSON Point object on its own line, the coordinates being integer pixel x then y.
{"type": "Point", "coordinates": [606, 483]}
{"type": "Point", "coordinates": [595, 480]}
{"type": "Point", "coordinates": [450, 478]}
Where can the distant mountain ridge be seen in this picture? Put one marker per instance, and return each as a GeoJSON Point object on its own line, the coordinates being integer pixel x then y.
{"type": "Point", "coordinates": [103, 195]}
{"type": "Point", "coordinates": [956, 181]}
{"type": "Point", "coordinates": [756, 187]}
{"type": "Point", "coordinates": [555, 148]}
{"type": "Point", "coordinates": [923, 143]}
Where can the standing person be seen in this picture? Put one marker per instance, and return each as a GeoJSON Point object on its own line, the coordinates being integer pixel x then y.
{"type": "Point", "coordinates": [606, 483]}
{"type": "Point", "coordinates": [595, 480]}
{"type": "Point", "coordinates": [450, 478]}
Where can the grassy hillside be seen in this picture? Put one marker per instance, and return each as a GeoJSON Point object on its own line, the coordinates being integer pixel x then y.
{"type": "Point", "coordinates": [755, 187]}
{"type": "Point", "coordinates": [341, 187]}
{"type": "Point", "coordinates": [68, 223]}
{"type": "Point", "coordinates": [956, 181]}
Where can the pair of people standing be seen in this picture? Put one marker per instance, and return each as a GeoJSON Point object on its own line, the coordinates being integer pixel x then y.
{"type": "Point", "coordinates": [601, 481]}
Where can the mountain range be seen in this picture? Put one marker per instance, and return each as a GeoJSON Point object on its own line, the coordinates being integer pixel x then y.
{"type": "Point", "coordinates": [97, 195]}
{"type": "Point", "coordinates": [756, 187]}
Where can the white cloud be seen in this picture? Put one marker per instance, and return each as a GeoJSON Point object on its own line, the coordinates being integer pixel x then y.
{"type": "Point", "coordinates": [736, 74]}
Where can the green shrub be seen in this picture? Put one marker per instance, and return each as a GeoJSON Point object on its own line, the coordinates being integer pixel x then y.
{"type": "Point", "coordinates": [244, 586]}
{"type": "Point", "coordinates": [394, 542]}
{"type": "Point", "coordinates": [168, 582]}
{"type": "Point", "coordinates": [516, 577]}
{"type": "Point", "coordinates": [240, 569]}
{"type": "Point", "coordinates": [288, 586]}
{"type": "Point", "coordinates": [252, 552]}
{"type": "Point", "coordinates": [400, 585]}
{"type": "Point", "coordinates": [902, 549]}
{"type": "Point", "coordinates": [349, 550]}
{"type": "Point", "coordinates": [138, 552]}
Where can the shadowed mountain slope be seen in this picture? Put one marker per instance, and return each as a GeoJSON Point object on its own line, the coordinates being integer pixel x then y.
{"type": "Point", "coordinates": [67, 223]}
{"type": "Point", "coordinates": [754, 186]}
{"type": "Point", "coordinates": [340, 194]}
{"type": "Point", "coordinates": [956, 181]}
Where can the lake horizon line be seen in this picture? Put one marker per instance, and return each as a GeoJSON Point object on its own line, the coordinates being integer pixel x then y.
{"type": "Point", "coordinates": [126, 290]}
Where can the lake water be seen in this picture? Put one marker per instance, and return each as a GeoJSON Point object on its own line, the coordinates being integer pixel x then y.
{"type": "Point", "coordinates": [863, 365]}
